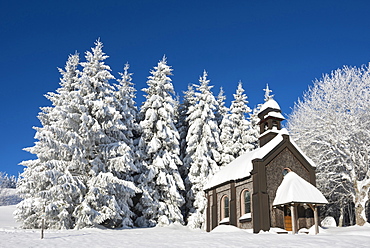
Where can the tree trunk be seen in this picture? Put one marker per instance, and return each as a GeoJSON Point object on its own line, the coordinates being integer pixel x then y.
{"type": "Point", "coordinates": [360, 199]}
{"type": "Point", "coordinates": [340, 222]}
{"type": "Point", "coordinates": [358, 212]}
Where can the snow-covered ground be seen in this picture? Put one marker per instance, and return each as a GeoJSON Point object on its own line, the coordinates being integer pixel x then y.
{"type": "Point", "coordinates": [175, 236]}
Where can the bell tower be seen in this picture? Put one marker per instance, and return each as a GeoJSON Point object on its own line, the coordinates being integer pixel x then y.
{"type": "Point", "coordinates": [270, 121]}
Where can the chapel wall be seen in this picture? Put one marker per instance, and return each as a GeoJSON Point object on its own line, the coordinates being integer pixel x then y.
{"type": "Point", "coordinates": [240, 186]}
{"type": "Point", "coordinates": [221, 191]}
{"type": "Point", "coordinates": [274, 177]}
{"type": "Point", "coordinates": [210, 210]}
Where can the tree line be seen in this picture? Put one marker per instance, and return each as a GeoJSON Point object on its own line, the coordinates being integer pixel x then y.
{"type": "Point", "coordinates": [101, 160]}
{"type": "Point", "coordinates": [7, 190]}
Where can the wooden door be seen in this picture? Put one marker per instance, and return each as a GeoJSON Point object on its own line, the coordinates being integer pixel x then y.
{"type": "Point", "coordinates": [287, 219]}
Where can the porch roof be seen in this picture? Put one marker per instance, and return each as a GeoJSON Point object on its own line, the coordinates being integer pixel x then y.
{"type": "Point", "coordinates": [294, 189]}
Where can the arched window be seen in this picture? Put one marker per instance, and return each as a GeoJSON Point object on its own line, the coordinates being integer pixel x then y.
{"type": "Point", "coordinates": [245, 202]}
{"type": "Point", "coordinates": [286, 171]}
{"type": "Point", "coordinates": [225, 209]}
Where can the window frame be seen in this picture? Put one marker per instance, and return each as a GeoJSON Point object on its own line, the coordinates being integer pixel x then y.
{"type": "Point", "coordinates": [225, 208]}
{"type": "Point", "coordinates": [244, 216]}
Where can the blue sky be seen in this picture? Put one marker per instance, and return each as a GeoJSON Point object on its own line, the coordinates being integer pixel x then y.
{"type": "Point", "coordinates": [286, 44]}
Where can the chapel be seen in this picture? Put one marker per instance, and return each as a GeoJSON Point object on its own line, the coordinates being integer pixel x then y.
{"type": "Point", "coordinates": [249, 192]}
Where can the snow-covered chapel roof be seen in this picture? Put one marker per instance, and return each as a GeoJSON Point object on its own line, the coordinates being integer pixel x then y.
{"type": "Point", "coordinates": [293, 188]}
{"type": "Point", "coordinates": [271, 103]}
{"type": "Point", "coordinates": [242, 166]}
{"type": "Point", "coordinates": [275, 115]}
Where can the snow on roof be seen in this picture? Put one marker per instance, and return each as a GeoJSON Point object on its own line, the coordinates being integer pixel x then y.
{"type": "Point", "coordinates": [293, 188]}
{"type": "Point", "coordinates": [275, 114]}
{"type": "Point", "coordinates": [271, 103]}
{"type": "Point", "coordinates": [273, 130]}
{"type": "Point", "coordinates": [284, 131]}
{"type": "Point", "coordinates": [242, 166]}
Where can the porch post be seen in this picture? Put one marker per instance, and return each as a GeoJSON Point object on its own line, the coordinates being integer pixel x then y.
{"type": "Point", "coordinates": [294, 222]}
{"type": "Point", "coordinates": [316, 218]}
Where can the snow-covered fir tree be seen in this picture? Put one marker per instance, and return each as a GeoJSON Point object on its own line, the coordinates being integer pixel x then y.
{"type": "Point", "coordinates": [48, 185]}
{"type": "Point", "coordinates": [160, 180]}
{"type": "Point", "coordinates": [77, 179]}
{"type": "Point", "coordinates": [242, 132]}
{"type": "Point", "coordinates": [226, 132]}
{"type": "Point", "coordinates": [107, 158]}
{"type": "Point", "coordinates": [255, 127]}
{"type": "Point", "coordinates": [221, 110]}
{"type": "Point", "coordinates": [226, 139]}
{"type": "Point", "coordinates": [331, 125]}
{"type": "Point", "coordinates": [183, 125]}
{"type": "Point", "coordinates": [237, 133]}
{"type": "Point", "coordinates": [126, 94]}
{"type": "Point", "coordinates": [203, 144]}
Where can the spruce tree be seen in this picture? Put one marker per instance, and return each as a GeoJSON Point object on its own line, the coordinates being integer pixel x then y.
{"type": "Point", "coordinates": [255, 127]}
{"type": "Point", "coordinates": [183, 125]}
{"type": "Point", "coordinates": [203, 146]}
{"type": "Point", "coordinates": [49, 185]}
{"type": "Point", "coordinates": [221, 110]}
{"type": "Point", "coordinates": [83, 172]}
{"type": "Point", "coordinates": [107, 155]}
{"type": "Point", "coordinates": [242, 131]}
{"type": "Point", "coordinates": [226, 130]}
{"type": "Point", "coordinates": [160, 180]}
{"type": "Point", "coordinates": [126, 94]}
{"type": "Point", "coordinates": [227, 141]}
